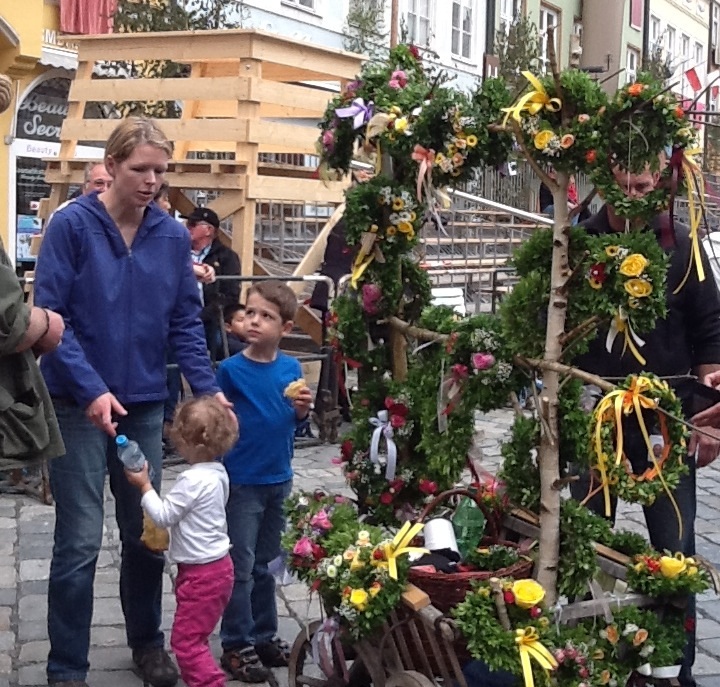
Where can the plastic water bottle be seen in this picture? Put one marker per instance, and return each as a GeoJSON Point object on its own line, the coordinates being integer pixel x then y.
{"type": "Point", "coordinates": [131, 455]}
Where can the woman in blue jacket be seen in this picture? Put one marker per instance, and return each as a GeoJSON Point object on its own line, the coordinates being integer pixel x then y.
{"type": "Point", "coordinates": [118, 270]}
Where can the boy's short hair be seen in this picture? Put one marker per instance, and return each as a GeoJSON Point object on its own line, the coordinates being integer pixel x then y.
{"type": "Point", "coordinates": [164, 190]}
{"type": "Point", "coordinates": [203, 428]}
{"type": "Point", "coordinates": [278, 293]}
{"type": "Point", "coordinates": [230, 310]}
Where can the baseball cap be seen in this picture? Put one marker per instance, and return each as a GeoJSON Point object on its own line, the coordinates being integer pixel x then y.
{"type": "Point", "coordinates": [203, 215]}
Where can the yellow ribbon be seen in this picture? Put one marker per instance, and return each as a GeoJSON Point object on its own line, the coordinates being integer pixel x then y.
{"type": "Point", "coordinates": [621, 325]}
{"type": "Point", "coordinates": [369, 251]}
{"type": "Point", "coordinates": [695, 184]}
{"type": "Point", "coordinates": [532, 102]}
{"type": "Point", "coordinates": [529, 646]}
{"type": "Point", "coordinates": [399, 546]}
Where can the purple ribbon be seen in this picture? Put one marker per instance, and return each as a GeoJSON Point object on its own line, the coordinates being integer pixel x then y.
{"type": "Point", "coordinates": [358, 110]}
{"type": "Point", "coordinates": [323, 641]}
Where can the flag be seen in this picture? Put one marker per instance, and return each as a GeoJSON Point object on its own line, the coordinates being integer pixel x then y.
{"type": "Point", "coordinates": [693, 79]}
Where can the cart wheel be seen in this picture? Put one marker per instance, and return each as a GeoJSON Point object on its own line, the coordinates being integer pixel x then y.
{"type": "Point", "coordinates": [409, 678]}
{"type": "Point", "coordinates": [302, 672]}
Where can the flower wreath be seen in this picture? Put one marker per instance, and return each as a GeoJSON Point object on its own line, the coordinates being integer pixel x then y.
{"type": "Point", "coordinates": [639, 395]}
{"type": "Point", "coordinates": [665, 575]}
{"type": "Point", "coordinates": [629, 146]}
{"type": "Point", "coordinates": [627, 273]}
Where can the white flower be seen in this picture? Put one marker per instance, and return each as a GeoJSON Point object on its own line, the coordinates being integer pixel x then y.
{"type": "Point", "coordinates": [302, 501]}
{"type": "Point", "coordinates": [646, 650]}
{"type": "Point", "coordinates": [338, 560]}
{"type": "Point", "coordinates": [331, 571]}
{"type": "Point", "coordinates": [394, 217]}
{"type": "Point", "coordinates": [630, 629]}
{"type": "Point", "coordinates": [363, 535]}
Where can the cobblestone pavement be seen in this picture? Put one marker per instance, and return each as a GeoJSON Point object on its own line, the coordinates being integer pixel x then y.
{"type": "Point", "coordinates": [26, 541]}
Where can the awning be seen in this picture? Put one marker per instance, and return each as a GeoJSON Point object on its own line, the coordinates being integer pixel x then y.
{"type": "Point", "coordinates": [59, 57]}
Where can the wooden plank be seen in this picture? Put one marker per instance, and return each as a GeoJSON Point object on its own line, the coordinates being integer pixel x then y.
{"type": "Point", "coordinates": [275, 93]}
{"type": "Point", "coordinates": [193, 46]}
{"type": "Point", "coordinates": [290, 138]}
{"type": "Point", "coordinates": [227, 203]}
{"type": "Point", "coordinates": [298, 190]}
{"type": "Point", "coordinates": [194, 88]}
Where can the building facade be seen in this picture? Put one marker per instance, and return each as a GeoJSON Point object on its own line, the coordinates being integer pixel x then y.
{"type": "Point", "coordinates": [41, 66]}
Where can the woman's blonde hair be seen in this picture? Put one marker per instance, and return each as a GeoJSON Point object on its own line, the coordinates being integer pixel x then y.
{"type": "Point", "coordinates": [203, 428]}
{"type": "Point", "coordinates": [133, 132]}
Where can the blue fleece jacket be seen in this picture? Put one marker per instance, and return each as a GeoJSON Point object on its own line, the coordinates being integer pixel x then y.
{"type": "Point", "coordinates": [122, 307]}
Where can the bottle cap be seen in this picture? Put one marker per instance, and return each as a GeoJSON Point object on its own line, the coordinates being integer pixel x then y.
{"type": "Point", "coordinates": [121, 440]}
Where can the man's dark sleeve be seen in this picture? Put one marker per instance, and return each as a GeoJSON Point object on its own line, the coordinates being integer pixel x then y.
{"type": "Point", "coordinates": [704, 323]}
{"type": "Point", "coordinates": [229, 291]}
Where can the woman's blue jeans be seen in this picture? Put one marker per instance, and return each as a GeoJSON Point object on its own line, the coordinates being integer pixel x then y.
{"type": "Point", "coordinates": [256, 521]}
{"type": "Point", "coordinates": [77, 480]}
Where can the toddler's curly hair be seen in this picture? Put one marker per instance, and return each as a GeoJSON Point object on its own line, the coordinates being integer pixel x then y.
{"type": "Point", "coordinates": [203, 428]}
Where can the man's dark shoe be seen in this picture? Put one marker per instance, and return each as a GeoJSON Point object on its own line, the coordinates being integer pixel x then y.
{"type": "Point", "coordinates": [69, 683]}
{"type": "Point", "coordinates": [244, 665]}
{"type": "Point", "coordinates": [274, 654]}
{"type": "Point", "coordinates": [154, 667]}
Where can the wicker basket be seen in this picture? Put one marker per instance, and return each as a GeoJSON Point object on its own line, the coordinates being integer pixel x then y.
{"type": "Point", "coordinates": [446, 590]}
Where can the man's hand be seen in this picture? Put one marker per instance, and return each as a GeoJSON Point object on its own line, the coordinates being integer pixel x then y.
{"type": "Point", "coordinates": [302, 403]}
{"type": "Point", "coordinates": [52, 338]}
{"type": "Point", "coordinates": [101, 410]}
{"type": "Point", "coordinates": [707, 447]}
{"type": "Point", "coordinates": [140, 479]}
{"type": "Point", "coordinates": [205, 274]}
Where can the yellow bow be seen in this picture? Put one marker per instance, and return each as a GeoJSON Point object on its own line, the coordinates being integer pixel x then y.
{"type": "Point", "coordinates": [530, 647]}
{"type": "Point", "coordinates": [695, 184]}
{"type": "Point", "coordinates": [621, 401]}
{"type": "Point", "coordinates": [621, 325]}
{"type": "Point", "coordinates": [532, 102]}
{"type": "Point", "coordinates": [369, 251]}
{"type": "Point", "coordinates": [399, 546]}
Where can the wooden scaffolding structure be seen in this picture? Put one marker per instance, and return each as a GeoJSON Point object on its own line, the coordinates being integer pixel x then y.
{"type": "Point", "coordinates": [247, 96]}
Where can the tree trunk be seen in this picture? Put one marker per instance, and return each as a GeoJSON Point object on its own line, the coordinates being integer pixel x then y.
{"type": "Point", "coordinates": [548, 457]}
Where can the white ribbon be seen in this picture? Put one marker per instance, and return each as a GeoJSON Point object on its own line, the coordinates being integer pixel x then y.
{"type": "Point", "coordinates": [383, 429]}
{"type": "Point", "coordinates": [615, 330]}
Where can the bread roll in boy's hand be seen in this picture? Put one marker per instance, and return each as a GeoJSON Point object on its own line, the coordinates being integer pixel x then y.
{"type": "Point", "coordinates": [294, 389]}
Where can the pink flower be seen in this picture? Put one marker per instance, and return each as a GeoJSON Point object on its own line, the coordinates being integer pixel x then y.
{"type": "Point", "coordinates": [459, 371]}
{"type": "Point", "coordinates": [397, 421]}
{"type": "Point", "coordinates": [427, 487]}
{"type": "Point", "coordinates": [483, 361]}
{"type": "Point", "coordinates": [321, 520]}
{"type": "Point", "coordinates": [303, 547]}
{"type": "Point", "coordinates": [352, 475]}
{"type": "Point", "coordinates": [371, 294]}
{"type": "Point", "coordinates": [328, 139]}
{"type": "Point", "coordinates": [337, 460]}
{"type": "Point", "coordinates": [584, 672]}
{"type": "Point", "coordinates": [386, 498]}
{"type": "Point", "coordinates": [535, 612]}
{"type": "Point", "coordinates": [398, 79]}
{"type": "Point", "coordinates": [559, 655]}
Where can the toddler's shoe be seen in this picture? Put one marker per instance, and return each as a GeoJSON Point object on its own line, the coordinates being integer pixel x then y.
{"type": "Point", "coordinates": [274, 654]}
{"type": "Point", "coordinates": [244, 665]}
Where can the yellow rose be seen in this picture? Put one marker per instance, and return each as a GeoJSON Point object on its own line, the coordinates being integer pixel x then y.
{"type": "Point", "coordinates": [471, 140]}
{"type": "Point", "coordinates": [595, 284]}
{"type": "Point", "coordinates": [633, 265]}
{"type": "Point", "coordinates": [542, 138]}
{"type": "Point", "coordinates": [639, 567]}
{"type": "Point", "coordinates": [527, 593]}
{"type": "Point", "coordinates": [391, 231]}
{"type": "Point", "coordinates": [690, 561]}
{"type": "Point", "coordinates": [672, 567]}
{"type": "Point", "coordinates": [612, 251]}
{"type": "Point", "coordinates": [375, 589]}
{"type": "Point", "coordinates": [398, 204]}
{"type": "Point", "coordinates": [405, 227]}
{"type": "Point", "coordinates": [692, 571]}
{"type": "Point", "coordinates": [439, 159]}
{"type": "Point", "coordinates": [638, 288]}
{"type": "Point", "coordinates": [401, 125]}
{"type": "Point", "coordinates": [359, 599]}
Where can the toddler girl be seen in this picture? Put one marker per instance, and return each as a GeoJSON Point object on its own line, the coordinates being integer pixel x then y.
{"type": "Point", "coordinates": [194, 511]}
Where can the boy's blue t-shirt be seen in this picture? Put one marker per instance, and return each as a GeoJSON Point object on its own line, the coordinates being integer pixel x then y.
{"type": "Point", "coordinates": [264, 450]}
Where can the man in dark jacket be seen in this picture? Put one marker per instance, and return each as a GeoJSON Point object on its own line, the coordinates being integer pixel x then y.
{"type": "Point", "coordinates": [207, 249]}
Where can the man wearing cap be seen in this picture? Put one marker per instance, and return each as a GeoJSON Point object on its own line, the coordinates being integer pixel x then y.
{"type": "Point", "coordinates": [207, 249]}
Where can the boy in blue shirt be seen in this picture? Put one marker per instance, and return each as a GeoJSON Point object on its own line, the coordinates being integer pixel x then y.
{"type": "Point", "coordinates": [256, 381]}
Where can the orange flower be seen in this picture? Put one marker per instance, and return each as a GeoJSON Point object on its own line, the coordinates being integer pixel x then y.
{"type": "Point", "coordinates": [640, 637]}
{"type": "Point", "coordinates": [612, 634]}
{"type": "Point", "coordinates": [567, 140]}
{"type": "Point", "coordinates": [679, 112]}
{"type": "Point", "coordinates": [604, 677]}
{"type": "Point", "coordinates": [636, 89]}
{"type": "Point", "coordinates": [590, 156]}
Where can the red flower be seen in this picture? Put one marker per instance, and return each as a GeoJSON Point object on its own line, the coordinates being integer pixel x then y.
{"type": "Point", "coordinates": [460, 371]}
{"type": "Point", "coordinates": [386, 498]}
{"type": "Point", "coordinates": [397, 484]}
{"type": "Point", "coordinates": [346, 449]}
{"type": "Point", "coordinates": [318, 552]}
{"type": "Point", "coordinates": [689, 624]}
{"type": "Point", "coordinates": [315, 585]}
{"type": "Point", "coordinates": [378, 555]}
{"type": "Point", "coordinates": [450, 343]}
{"type": "Point", "coordinates": [508, 597]}
{"type": "Point", "coordinates": [535, 612]}
{"type": "Point", "coordinates": [427, 487]}
{"type": "Point", "coordinates": [679, 112]}
{"type": "Point", "coordinates": [397, 421]}
{"type": "Point", "coordinates": [414, 52]}
{"type": "Point", "coordinates": [395, 407]}
{"type": "Point", "coordinates": [590, 157]}
{"type": "Point", "coordinates": [597, 272]}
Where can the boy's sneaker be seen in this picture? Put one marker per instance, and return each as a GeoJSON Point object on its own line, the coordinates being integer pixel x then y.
{"type": "Point", "coordinates": [244, 665]}
{"type": "Point", "coordinates": [274, 654]}
{"type": "Point", "coordinates": [154, 666]}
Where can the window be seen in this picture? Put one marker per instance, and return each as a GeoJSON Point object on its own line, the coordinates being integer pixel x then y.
{"type": "Point", "coordinates": [670, 41]}
{"type": "Point", "coordinates": [715, 24]}
{"type": "Point", "coordinates": [418, 21]}
{"type": "Point", "coordinates": [685, 47]}
{"type": "Point", "coordinates": [654, 31]}
{"type": "Point", "coordinates": [548, 17]}
{"type": "Point", "coordinates": [636, 14]}
{"type": "Point", "coordinates": [633, 60]}
{"type": "Point", "coordinates": [309, 4]}
{"type": "Point", "coordinates": [462, 28]}
{"type": "Point", "coordinates": [508, 12]}
{"type": "Point", "coordinates": [699, 55]}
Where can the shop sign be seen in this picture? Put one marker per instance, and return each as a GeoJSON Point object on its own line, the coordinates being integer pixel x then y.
{"type": "Point", "coordinates": [42, 111]}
